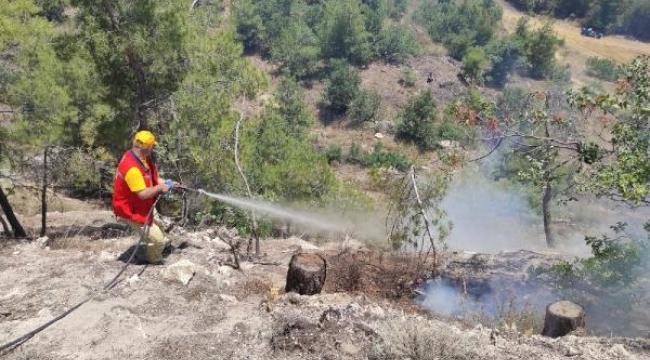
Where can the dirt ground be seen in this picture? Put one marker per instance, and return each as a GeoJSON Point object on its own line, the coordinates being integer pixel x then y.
{"type": "Point", "coordinates": [366, 310]}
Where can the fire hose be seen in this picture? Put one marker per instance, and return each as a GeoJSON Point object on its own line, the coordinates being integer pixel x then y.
{"type": "Point", "coordinates": [8, 347]}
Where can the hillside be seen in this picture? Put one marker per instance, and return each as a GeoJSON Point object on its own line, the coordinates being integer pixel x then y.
{"type": "Point", "coordinates": [216, 312]}
{"type": "Point", "coordinates": [578, 48]}
{"type": "Point", "coordinates": [376, 304]}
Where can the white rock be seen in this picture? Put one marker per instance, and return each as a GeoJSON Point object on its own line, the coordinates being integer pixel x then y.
{"type": "Point", "coordinates": [376, 312]}
{"type": "Point", "coordinates": [225, 271]}
{"type": "Point", "coordinates": [133, 279]}
{"type": "Point", "coordinates": [219, 244]}
{"type": "Point", "coordinates": [182, 271]}
{"type": "Point", "coordinates": [349, 348]}
{"type": "Point", "coordinates": [106, 256]}
{"type": "Point", "coordinates": [43, 242]}
{"type": "Point", "coordinates": [379, 135]}
{"type": "Point", "coordinates": [228, 298]}
{"type": "Point", "coordinates": [618, 351]}
{"type": "Point", "coordinates": [16, 253]}
{"type": "Point", "coordinates": [206, 238]}
{"type": "Point", "coordinates": [45, 313]}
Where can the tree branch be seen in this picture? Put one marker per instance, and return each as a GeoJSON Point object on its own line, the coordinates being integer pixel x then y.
{"type": "Point", "coordinates": [424, 216]}
{"type": "Point", "coordinates": [248, 188]}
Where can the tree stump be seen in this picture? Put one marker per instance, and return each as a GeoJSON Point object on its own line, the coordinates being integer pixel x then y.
{"type": "Point", "coordinates": [306, 274]}
{"type": "Point", "coordinates": [563, 317]}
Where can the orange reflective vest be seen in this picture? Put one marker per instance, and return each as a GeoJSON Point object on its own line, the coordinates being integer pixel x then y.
{"type": "Point", "coordinates": [127, 204]}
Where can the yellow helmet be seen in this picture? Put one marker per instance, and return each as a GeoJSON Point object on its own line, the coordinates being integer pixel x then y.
{"type": "Point", "coordinates": [144, 138]}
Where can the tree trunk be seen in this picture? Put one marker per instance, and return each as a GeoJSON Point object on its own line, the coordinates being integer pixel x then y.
{"type": "Point", "coordinates": [546, 211]}
{"type": "Point", "coordinates": [306, 275]}
{"type": "Point", "coordinates": [19, 232]}
{"type": "Point", "coordinates": [44, 195]}
{"type": "Point", "coordinates": [563, 317]}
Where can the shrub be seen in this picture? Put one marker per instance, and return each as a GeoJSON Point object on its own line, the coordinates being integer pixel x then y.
{"type": "Point", "coordinates": [473, 63]}
{"type": "Point", "coordinates": [355, 154]}
{"type": "Point", "coordinates": [417, 121]}
{"type": "Point", "coordinates": [396, 44]}
{"type": "Point", "coordinates": [615, 262]}
{"type": "Point", "coordinates": [333, 153]}
{"type": "Point", "coordinates": [604, 69]}
{"type": "Point", "coordinates": [364, 107]}
{"type": "Point", "coordinates": [386, 159]}
{"type": "Point", "coordinates": [343, 85]}
{"type": "Point", "coordinates": [407, 79]}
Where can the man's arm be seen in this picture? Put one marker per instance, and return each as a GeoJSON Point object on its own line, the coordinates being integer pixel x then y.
{"type": "Point", "coordinates": [148, 193]}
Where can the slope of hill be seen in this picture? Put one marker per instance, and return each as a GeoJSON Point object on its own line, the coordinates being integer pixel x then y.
{"type": "Point", "coordinates": [221, 313]}
{"type": "Point", "coordinates": [579, 48]}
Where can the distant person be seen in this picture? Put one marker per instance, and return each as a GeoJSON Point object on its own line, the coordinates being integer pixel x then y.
{"type": "Point", "coordinates": [430, 78]}
{"type": "Point", "coordinates": [135, 188]}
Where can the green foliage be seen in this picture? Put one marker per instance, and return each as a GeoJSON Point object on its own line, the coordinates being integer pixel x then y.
{"type": "Point", "coordinates": [284, 166]}
{"type": "Point", "coordinates": [396, 44]}
{"type": "Point", "coordinates": [407, 77]}
{"type": "Point", "coordinates": [504, 55]}
{"type": "Point", "coordinates": [460, 26]}
{"type": "Point", "coordinates": [380, 158]}
{"type": "Point", "coordinates": [364, 107]}
{"type": "Point", "coordinates": [626, 176]}
{"type": "Point", "coordinates": [343, 33]}
{"type": "Point", "coordinates": [342, 85]}
{"type": "Point", "coordinates": [473, 63]}
{"type": "Point", "coordinates": [417, 121]}
{"type": "Point", "coordinates": [408, 230]}
{"type": "Point", "coordinates": [52, 9]}
{"type": "Point", "coordinates": [333, 153]}
{"type": "Point", "coordinates": [627, 17]}
{"type": "Point", "coordinates": [293, 107]}
{"type": "Point", "coordinates": [604, 69]}
{"type": "Point", "coordinates": [297, 49]}
{"type": "Point", "coordinates": [615, 262]}
{"type": "Point", "coordinates": [539, 47]}
{"type": "Point", "coordinates": [248, 24]}
{"type": "Point", "coordinates": [355, 154]}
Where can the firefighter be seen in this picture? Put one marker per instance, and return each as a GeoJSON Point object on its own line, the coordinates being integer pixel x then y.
{"type": "Point", "coordinates": [135, 189]}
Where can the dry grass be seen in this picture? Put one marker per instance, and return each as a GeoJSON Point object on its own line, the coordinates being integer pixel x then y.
{"type": "Point", "coordinates": [422, 340]}
{"type": "Point", "coordinates": [251, 287]}
{"type": "Point", "coordinates": [390, 276]}
{"type": "Point", "coordinates": [579, 48]}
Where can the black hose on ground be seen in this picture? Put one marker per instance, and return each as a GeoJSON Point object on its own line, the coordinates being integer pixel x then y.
{"type": "Point", "coordinates": [10, 346]}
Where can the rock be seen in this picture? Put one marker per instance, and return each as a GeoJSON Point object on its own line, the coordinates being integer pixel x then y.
{"type": "Point", "coordinates": [379, 135]}
{"type": "Point", "coordinates": [45, 313]}
{"type": "Point", "coordinates": [228, 298]}
{"type": "Point", "coordinates": [106, 256]}
{"type": "Point", "coordinates": [182, 271]}
{"type": "Point", "coordinates": [43, 242]}
{"type": "Point", "coordinates": [225, 271]}
{"type": "Point", "coordinates": [133, 279]}
{"type": "Point", "coordinates": [220, 244]}
{"type": "Point", "coordinates": [376, 311]}
{"type": "Point", "coordinates": [572, 351]}
{"type": "Point", "coordinates": [349, 349]}
{"type": "Point", "coordinates": [618, 352]}
{"type": "Point", "coordinates": [352, 245]}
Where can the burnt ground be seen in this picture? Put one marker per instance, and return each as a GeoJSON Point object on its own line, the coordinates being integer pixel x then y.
{"type": "Point", "coordinates": [366, 311]}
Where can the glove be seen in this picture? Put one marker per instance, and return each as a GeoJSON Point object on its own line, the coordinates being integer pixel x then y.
{"type": "Point", "coordinates": [170, 184]}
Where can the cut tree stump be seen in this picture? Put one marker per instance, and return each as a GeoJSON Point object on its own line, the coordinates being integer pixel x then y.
{"type": "Point", "coordinates": [563, 317]}
{"type": "Point", "coordinates": [306, 274]}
